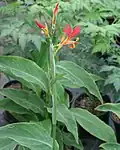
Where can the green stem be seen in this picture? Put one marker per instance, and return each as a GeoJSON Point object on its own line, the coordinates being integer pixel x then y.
{"type": "Point", "coordinates": [53, 91]}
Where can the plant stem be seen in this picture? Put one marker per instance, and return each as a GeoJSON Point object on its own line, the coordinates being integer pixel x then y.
{"type": "Point", "coordinates": [53, 92]}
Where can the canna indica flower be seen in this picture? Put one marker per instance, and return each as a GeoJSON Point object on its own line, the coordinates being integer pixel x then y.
{"type": "Point", "coordinates": [55, 12]}
{"type": "Point", "coordinates": [69, 35]}
{"type": "Point", "coordinates": [43, 27]}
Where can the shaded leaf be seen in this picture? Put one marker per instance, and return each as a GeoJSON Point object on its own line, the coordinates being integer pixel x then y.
{"type": "Point", "coordinates": [65, 116]}
{"type": "Point", "coordinates": [9, 105]}
{"type": "Point", "coordinates": [70, 141]}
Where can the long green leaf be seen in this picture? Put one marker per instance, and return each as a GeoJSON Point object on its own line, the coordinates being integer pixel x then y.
{"type": "Point", "coordinates": [76, 77]}
{"type": "Point", "coordinates": [7, 144]}
{"type": "Point", "coordinates": [32, 135]}
{"type": "Point", "coordinates": [9, 105]}
{"type": "Point", "coordinates": [65, 116]}
{"type": "Point", "coordinates": [110, 146]}
{"type": "Point", "coordinates": [115, 108]}
{"type": "Point", "coordinates": [25, 99]}
{"type": "Point", "coordinates": [24, 70]}
{"type": "Point", "coordinates": [94, 125]}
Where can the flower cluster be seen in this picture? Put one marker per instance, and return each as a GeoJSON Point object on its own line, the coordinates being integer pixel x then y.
{"type": "Point", "coordinates": [69, 33]}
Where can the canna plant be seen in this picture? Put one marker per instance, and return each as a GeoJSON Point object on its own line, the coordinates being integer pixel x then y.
{"type": "Point", "coordinates": [42, 106]}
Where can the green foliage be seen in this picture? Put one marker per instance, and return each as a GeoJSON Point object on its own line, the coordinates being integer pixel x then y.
{"type": "Point", "coordinates": [113, 77]}
{"type": "Point", "coordinates": [65, 116]}
{"type": "Point", "coordinates": [25, 71]}
{"type": "Point", "coordinates": [115, 108]}
{"type": "Point", "coordinates": [29, 136]}
{"type": "Point", "coordinates": [110, 146]}
{"type": "Point", "coordinates": [75, 77]}
{"type": "Point", "coordinates": [24, 99]}
{"type": "Point", "coordinates": [6, 144]}
{"type": "Point", "coordinates": [44, 79]}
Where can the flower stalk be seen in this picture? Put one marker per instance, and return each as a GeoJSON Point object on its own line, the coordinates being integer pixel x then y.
{"type": "Point", "coordinates": [53, 90]}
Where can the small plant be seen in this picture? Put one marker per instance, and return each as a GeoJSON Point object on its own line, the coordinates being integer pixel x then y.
{"type": "Point", "coordinates": [48, 121]}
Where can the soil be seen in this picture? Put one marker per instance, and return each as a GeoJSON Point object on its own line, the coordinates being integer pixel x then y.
{"type": "Point", "coordinates": [115, 118]}
{"type": "Point", "coordinates": [85, 102]}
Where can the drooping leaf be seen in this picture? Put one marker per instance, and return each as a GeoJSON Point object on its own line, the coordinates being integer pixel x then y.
{"type": "Point", "coordinates": [94, 125]}
{"type": "Point", "coordinates": [76, 77]}
{"type": "Point", "coordinates": [65, 116]}
{"type": "Point", "coordinates": [25, 99]}
{"type": "Point", "coordinates": [7, 144]}
{"type": "Point", "coordinates": [110, 146]}
{"type": "Point", "coordinates": [115, 108]}
{"type": "Point", "coordinates": [24, 70]}
{"type": "Point", "coordinates": [9, 105]}
{"type": "Point", "coordinates": [32, 135]}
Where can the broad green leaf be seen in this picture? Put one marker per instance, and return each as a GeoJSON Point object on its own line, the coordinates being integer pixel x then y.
{"type": "Point", "coordinates": [25, 99]}
{"type": "Point", "coordinates": [76, 77]}
{"type": "Point", "coordinates": [7, 144]}
{"type": "Point", "coordinates": [31, 135]}
{"type": "Point", "coordinates": [115, 108]}
{"type": "Point", "coordinates": [24, 70]}
{"type": "Point", "coordinates": [65, 116]}
{"type": "Point", "coordinates": [110, 146]}
{"type": "Point", "coordinates": [70, 141]}
{"type": "Point", "coordinates": [9, 105]}
{"type": "Point", "coordinates": [94, 125]}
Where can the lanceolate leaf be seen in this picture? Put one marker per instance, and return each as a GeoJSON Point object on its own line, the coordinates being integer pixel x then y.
{"type": "Point", "coordinates": [115, 108]}
{"type": "Point", "coordinates": [32, 135]}
{"type": "Point", "coordinates": [65, 116]}
{"type": "Point", "coordinates": [25, 99]}
{"type": "Point", "coordinates": [110, 146]}
{"type": "Point", "coordinates": [76, 77]}
{"type": "Point", "coordinates": [9, 105]}
{"type": "Point", "coordinates": [94, 125]}
{"type": "Point", "coordinates": [24, 70]}
{"type": "Point", "coordinates": [7, 144]}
